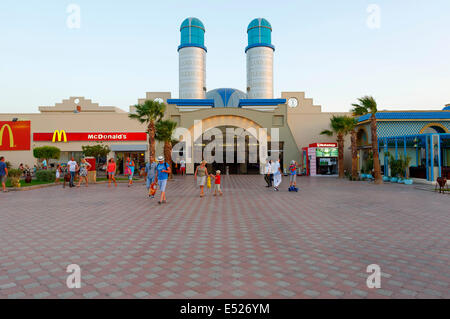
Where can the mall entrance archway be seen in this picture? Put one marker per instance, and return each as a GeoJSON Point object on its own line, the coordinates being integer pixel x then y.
{"type": "Point", "coordinates": [230, 152]}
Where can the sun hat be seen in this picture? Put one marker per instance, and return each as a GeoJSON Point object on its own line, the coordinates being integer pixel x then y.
{"type": "Point", "coordinates": [160, 158]}
{"type": "Point", "coordinates": [292, 162]}
{"type": "Point", "coordinates": [218, 172]}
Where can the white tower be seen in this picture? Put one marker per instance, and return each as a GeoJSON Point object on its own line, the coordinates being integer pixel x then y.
{"type": "Point", "coordinates": [259, 60]}
{"type": "Point", "coordinates": [192, 60]}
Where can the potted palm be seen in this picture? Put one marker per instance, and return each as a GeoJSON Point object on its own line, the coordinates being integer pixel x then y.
{"type": "Point", "coordinates": [404, 174]}
{"type": "Point", "coordinates": [396, 167]}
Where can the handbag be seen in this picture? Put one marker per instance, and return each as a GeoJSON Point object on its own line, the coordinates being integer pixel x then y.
{"type": "Point", "coordinates": [152, 189]}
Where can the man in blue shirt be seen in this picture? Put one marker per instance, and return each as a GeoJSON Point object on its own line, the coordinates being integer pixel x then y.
{"type": "Point", "coordinates": [3, 172]}
{"type": "Point", "coordinates": [150, 170]}
{"type": "Point", "coordinates": [163, 170]}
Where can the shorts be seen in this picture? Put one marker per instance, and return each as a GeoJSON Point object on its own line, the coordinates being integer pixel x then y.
{"type": "Point", "coordinates": [58, 175]}
{"type": "Point", "coordinates": [130, 176]}
{"type": "Point", "coordinates": [217, 188]}
{"type": "Point", "coordinates": [292, 178]}
{"type": "Point", "coordinates": [2, 178]}
{"type": "Point", "coordinates": [201, 181]}
{"type": "Point", "coordinates": [111, 174]}
{"type": "Point", "coordinates": [162, 184]}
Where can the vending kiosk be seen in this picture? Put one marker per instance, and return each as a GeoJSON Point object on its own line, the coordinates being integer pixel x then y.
{"type": "Point", "coordinates": [320, 159]}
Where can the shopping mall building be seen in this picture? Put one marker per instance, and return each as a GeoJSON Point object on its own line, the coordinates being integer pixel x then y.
{"type": "Point", "coordinates": [292, 119]}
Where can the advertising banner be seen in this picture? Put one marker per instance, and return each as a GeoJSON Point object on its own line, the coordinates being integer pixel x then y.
{"type": "Point", "coordinates": [15, 136]}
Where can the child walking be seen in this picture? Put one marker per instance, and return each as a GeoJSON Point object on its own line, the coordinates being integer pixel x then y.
{"type": "Point", "coordinates": [293, 176]}
{"type": "Point", "coordinates": [217, 187]}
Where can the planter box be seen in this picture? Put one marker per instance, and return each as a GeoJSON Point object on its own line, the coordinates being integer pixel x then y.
{"type": "Point", "coordinates": [408, 181]}
{"type": "Point", "coordinates": [394, 179]}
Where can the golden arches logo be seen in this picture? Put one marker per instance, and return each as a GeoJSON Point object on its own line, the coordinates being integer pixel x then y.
{"type": "Point", "coordinates": [59, 134]}
{"type": "Point", "coordinates": [11, 138]}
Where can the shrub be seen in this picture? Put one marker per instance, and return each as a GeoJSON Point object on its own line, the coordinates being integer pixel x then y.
{"type": "Point", "coordinates": [45, 175]}
{"type": "Point", "coordinates": [396, 166]}
{"type": "Point", "coordinates": [14, 175]}
{"type": "Point", "coordinates": [46, 152]}
{"type": "Point", "coordinates": [14, 172]}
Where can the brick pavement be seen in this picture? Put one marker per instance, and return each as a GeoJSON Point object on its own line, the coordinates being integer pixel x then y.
{"type": "Point", "coordinates": [250, 243]}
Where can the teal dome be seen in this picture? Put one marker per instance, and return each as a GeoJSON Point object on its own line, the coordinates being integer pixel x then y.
{"type": "Point", "coordinates": [226, 97]}
{"type": "Point", "coordinates": [259, 22]}
{"type": "Point", "coordinates": [192, 34]}
{"type": "Point", "coordinates": [259, 33]}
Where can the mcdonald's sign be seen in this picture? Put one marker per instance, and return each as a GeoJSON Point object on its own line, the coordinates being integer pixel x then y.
{"type": "Point", "coordinates": [15, 136]}
{"type": "Point", "coordinates": [62, 136]}
{"type": "Point", "coordinates": [59, 135]}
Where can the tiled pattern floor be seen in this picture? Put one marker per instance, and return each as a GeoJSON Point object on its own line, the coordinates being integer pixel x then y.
{"type": "Point", "coordinates": [250, 243]}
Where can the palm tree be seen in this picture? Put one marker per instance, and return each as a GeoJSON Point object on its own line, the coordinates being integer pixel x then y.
{"type": "Point", "coordinates": [164, 132]}
{"type": "Point", "coordinates": [368, 105]}
{"type": "Point", "coordinates": [340, 126]}
{"type": "Point", "coordinates": [351, 126]}
{"type": "Point", "coordinates": [149, 112]}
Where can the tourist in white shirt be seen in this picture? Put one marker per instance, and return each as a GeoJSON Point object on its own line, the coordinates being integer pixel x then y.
{"type": "Point", "coordinates": [268, 176]}
{"type": "Point", "coordinates": [73, 166]}
{"type": "Point", "coordinates": [276, 171]}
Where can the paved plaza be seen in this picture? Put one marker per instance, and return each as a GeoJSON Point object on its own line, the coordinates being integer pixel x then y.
{"type": "Point", "coordinates": [250, 243]}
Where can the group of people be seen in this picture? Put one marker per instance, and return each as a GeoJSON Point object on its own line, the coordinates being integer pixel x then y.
{"type": "Point", "coordinates": [72, 169]}
{"type": "Point", "coordinates": [201, 176]}
{"type": "Point", "coordinates": [273, 174]}
{"type": "Point", "coordinates": [157, 174]}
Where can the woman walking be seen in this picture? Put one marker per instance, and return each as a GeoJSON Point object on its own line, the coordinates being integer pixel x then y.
{"type": "Point", "coordinates": [111, 170]}
{"type": "Point", "coordinates": [200, 174]}
{"type": "Point", "coordinates": [130, 168]}
{"type": "Point", "coordinates": [58, 173]}
{"type": "Point", "coordinates": [83, 173]}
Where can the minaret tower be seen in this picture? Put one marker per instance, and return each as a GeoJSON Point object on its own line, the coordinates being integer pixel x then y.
{"type": "Point", "coordinates": [192, 60]}
{"type": "Point", "coordinates": [259, 60]}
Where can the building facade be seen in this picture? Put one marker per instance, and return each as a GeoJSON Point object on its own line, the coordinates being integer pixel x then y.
{"type": "Point", "coordinates": [276, 127]}
{"type": "Point", "coordinates": [421, 136]}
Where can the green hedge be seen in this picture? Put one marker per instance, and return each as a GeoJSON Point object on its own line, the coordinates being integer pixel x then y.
{"type": "Point", "coordinates": [45, 175]}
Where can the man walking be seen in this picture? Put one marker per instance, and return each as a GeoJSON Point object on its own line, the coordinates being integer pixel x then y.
{"type": "Point", "coordinates": [268, 173]}
{"type": "Point", "coordinates": [3, 173]}
{"type": "Point", "coordinates": [72, 164]}
{"type": "Point", "coordinates": [276, 171]}
{"type": "Point", "coordinates": [163, 171]}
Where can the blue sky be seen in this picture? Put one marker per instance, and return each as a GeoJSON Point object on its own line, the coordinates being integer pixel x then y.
{"type": "Point", "coordinates": [324, 48]}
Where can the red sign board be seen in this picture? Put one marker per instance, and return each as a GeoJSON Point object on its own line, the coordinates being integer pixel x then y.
{"type": "Point", "coordinates": [323, 145]}
{"type": "Point", "coordinates": [62, 136]}
{"type": "Point", "coordinates": [15, 136]}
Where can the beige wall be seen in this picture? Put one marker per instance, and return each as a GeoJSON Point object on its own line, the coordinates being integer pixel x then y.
{"type": "Point", "coordinates": [299, 127]}
{"type": "Point", "coordinates": [306, 121]}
